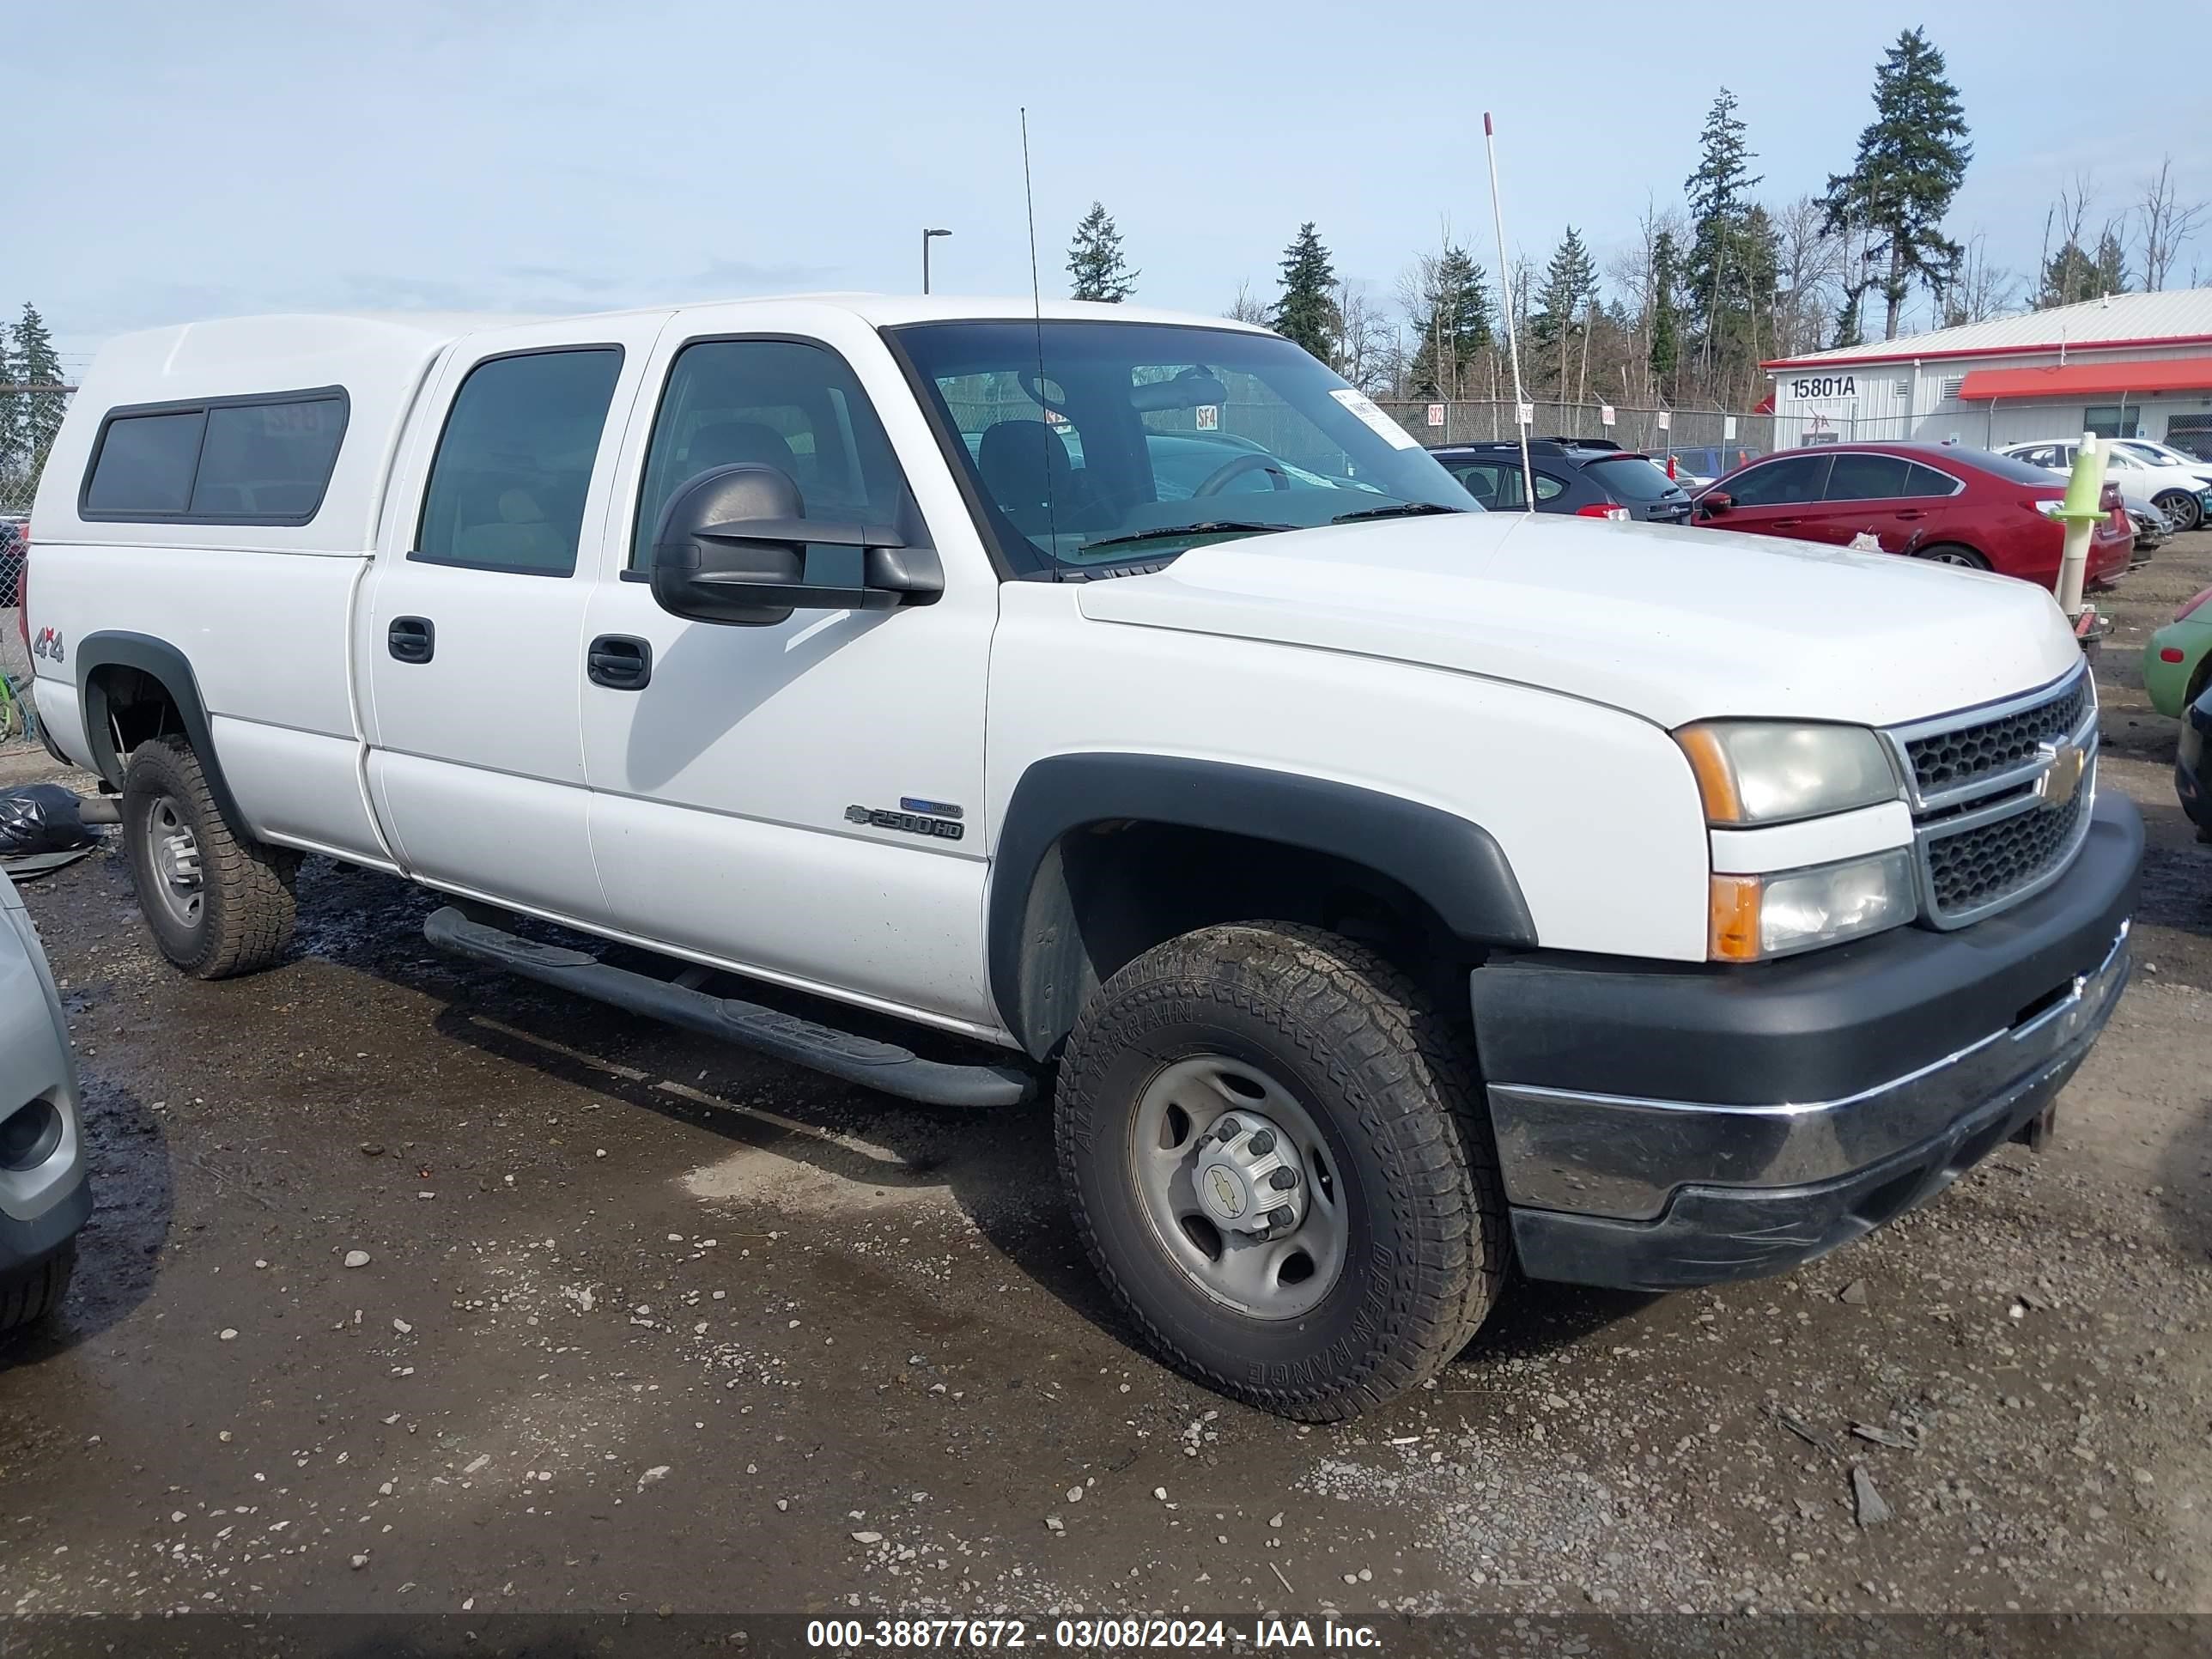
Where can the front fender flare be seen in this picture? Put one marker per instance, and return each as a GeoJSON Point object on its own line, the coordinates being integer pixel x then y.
{"type": "Point", "coordinates": [1451, 863]}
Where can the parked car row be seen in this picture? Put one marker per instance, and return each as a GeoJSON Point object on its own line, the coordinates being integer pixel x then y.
{"type": "Point", "coordinates": [1940, 503]}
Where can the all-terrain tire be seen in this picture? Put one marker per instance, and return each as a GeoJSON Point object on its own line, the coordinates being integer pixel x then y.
{"type": "Point", "coordinates": [1392, 1087]}
{"type": "Point", "coordinates": [245, 886]}
{"type": "Point", "coordinates": [29, 1294]}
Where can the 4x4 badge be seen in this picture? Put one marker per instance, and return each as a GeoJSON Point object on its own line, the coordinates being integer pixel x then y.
{"type": "Point", "coordinates": [47, 645]}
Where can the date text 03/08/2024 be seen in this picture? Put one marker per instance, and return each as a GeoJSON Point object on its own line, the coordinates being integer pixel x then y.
{"type": "Point", "coordinates": [1089, 1635]}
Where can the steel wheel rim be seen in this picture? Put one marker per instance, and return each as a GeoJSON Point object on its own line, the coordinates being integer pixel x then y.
{"type": "Point", "coordinates": [1272, 1278]}
{"type": "Point", "coordinates": [173, 854]}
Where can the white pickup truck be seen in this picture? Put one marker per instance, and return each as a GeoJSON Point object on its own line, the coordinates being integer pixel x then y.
{"type": "Point", "coordinates": [1389, 892]}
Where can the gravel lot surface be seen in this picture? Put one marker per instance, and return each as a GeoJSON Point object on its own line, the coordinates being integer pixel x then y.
{"type": "Point", "coordinates": [413, 1288]}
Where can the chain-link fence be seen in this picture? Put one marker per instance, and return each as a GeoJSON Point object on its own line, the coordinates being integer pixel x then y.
{"type": "Point", "coordinates": [28, 418]}
{"type": "Point", "coordinates": [1467, 421]}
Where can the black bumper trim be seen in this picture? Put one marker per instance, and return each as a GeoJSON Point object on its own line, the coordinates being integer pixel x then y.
{"type": "Point", "coordinates": [1823, 1026]}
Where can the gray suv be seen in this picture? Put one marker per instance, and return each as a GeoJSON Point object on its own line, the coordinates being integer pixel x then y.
{"type": "Point", "coordinates": [44, 1196]}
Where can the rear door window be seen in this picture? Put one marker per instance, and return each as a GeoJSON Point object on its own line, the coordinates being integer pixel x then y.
{"type": "Point", "coordinates": [1779, 483]}
{"type": "Point", "coordinates": [1867, 478]}
{"type": "Point", "coordinates": [515, 463]}
{"type": "Point", "coordinates": [1928, 481]}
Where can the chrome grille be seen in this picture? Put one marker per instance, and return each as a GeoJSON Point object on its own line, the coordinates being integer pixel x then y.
{"type": "Point", "coordinates": [1997, 811]}
{"type": "Point", "coordinates": [1950, 760]}
{"type": "Point", "coordinates": [1974, 869]}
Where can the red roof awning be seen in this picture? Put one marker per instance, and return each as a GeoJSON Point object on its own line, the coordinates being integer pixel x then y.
{"type": "Point", "coordinates": [2091, 379]}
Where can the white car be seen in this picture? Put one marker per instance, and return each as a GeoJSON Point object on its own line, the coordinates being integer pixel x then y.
{"type": "Point", "coordinates": [1388, 890]}
{"type": "Point", "coordinates": [44, 1196]}
{"type": "Point", "coordinates": [2153, 523]}
{"type": "Point", "coordinates": [2141, 480]}
{"type": "Point", "coordinates": [2167, 456]}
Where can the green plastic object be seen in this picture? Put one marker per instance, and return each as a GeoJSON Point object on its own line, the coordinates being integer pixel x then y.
{"type": "Point", "coordinates": [2086, 488]}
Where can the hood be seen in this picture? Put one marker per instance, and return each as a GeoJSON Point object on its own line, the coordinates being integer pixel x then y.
{"type": "Point", "coordinates": [1672, 624]}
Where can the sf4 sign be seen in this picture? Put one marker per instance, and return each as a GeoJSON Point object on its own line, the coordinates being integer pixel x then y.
{"type": "Point", "coordinates": [48, 644]}
{"type": "Point", "coordinates": [1808, 387]}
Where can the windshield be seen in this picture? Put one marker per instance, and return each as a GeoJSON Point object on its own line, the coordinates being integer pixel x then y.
{"type": "Point", "coordinates": [2152, 454]}
{"type": "Point", "coordinates": [1140, 440]}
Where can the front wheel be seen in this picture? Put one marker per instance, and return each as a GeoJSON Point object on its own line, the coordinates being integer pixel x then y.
{"type": "Point", "coordinates": [1277, 1160]}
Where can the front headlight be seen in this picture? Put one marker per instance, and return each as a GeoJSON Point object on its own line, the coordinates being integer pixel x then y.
{"type": "Point", "coordinates": [1774, 771]}
{"type": "Point", "coordinates": [1755, 917]}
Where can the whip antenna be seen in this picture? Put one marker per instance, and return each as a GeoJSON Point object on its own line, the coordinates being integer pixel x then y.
{"type": "Point", "coordinates": [1036, 312]}
{"type": "Point", "coordinates": [1521, 410]}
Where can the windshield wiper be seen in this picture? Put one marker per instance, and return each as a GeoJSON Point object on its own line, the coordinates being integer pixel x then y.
{"type": "Point", "coordinates": [1211, 527]}
{"type": "Point", "coordinates": [1401, 510]}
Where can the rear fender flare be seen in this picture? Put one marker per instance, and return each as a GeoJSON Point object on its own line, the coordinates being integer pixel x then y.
{"type": "Point", "coordinates": [161, 661]}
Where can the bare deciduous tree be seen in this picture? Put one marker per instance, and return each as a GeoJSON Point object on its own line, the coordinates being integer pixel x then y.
{"type": "Point", "coordinates": [1366, 342]}
{"type": "Point", "coordinates": [1247, 307]}
{"type": "Point", "coordinates": [2165, 222]}
{"type": "Point", "coordinates": [1980, 290]}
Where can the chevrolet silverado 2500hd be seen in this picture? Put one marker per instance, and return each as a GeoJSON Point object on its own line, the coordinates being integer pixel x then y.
{"type": "Point", "coordinates": [1390, 891]}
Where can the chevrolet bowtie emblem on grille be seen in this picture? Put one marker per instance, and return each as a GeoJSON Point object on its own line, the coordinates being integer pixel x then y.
{"type": "Point", "coordinates": [2064, 775]}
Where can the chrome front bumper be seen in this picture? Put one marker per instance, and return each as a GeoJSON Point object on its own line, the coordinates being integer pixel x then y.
{"type": "Point", "coordinates": [1625, 1158]}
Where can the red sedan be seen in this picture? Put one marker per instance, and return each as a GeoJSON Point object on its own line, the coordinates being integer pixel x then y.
{"type": "Point", "coordinates": [1954, 506]}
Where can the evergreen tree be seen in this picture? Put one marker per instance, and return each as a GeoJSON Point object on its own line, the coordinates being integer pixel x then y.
{"type": "Point", "coordinates": [1451, 322]}
{"type": "Point", "coordinates": [1305, 313]}
{"type": "Point", "coordinates": [1719, 193]}
{"type": "Point", "coordinates": [1094, 259]}
{"type": "Point", "coordinates": [1568, 282]}
{"type": "Point", "coordinates": [1666, 343]}
{"type": "Point", "coordinates": [33, 364]}
{"type": "Point", "coordinates": [2074, 274]}
{"type": "Point", "coordinates": [2108, 272]}
{"type": "Point", "coordinates": [1910, 163]}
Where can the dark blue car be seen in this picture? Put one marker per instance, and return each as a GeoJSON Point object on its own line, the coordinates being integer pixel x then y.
{"type": "Point", "coordinates": [2190, 782]}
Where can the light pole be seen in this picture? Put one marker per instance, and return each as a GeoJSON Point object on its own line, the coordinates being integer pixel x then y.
{"type": "Point", "coordinates": [925, 236]}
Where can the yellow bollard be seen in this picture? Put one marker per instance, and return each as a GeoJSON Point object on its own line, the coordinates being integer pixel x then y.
{"type": "Point", "coordinates": [2081, 512]}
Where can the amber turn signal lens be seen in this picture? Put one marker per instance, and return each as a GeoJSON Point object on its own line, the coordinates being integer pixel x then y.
{"type": "Point", "coordinates": [1716, 777]}
{"type": "Point", "coordinates": [1735, 912]}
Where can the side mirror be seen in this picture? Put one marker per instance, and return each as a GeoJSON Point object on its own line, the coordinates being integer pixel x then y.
{"type": "Point", "coordinates": [733, 547]}
{"type": "Point", "coordinates": [1714, 502]}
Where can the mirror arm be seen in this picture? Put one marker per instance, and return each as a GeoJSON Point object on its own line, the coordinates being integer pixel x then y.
{"type": "Point", "coordinates": [797, 595]}
{"type": "Point", "coordinates": [822, 534]}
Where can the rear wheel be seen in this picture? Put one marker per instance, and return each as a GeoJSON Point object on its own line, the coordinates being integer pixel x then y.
{"type": "Point", "coordinates": [219, 902]}
{"type": "Point", "coordinates": [1277, 1161]}
{"type": "Point", "coordinates": [2183, 510]}
{"type": "Point", "coordinates": [1951, 553]}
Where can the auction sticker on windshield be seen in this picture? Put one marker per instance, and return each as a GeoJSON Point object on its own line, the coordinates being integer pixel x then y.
{"type": "Point", "coordinates": [1375, 420]}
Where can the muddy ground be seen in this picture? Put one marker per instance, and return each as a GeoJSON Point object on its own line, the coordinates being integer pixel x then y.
{"type": "Point", "coordinates": [649, 1324]}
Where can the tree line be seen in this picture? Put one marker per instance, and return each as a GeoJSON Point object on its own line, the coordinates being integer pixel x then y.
{"type": "Point", "coordinates": [1712, 287]}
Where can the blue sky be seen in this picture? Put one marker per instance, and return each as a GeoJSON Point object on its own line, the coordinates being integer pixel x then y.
{"type": "Point", "coordinates": [239, 155]}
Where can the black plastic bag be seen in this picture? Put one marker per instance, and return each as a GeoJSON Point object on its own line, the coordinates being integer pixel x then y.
{"type": "Point", "coordinates": [39, 818]}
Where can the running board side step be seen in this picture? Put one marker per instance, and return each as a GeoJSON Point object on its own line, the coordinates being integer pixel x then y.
{"type": "Point", "coordinates": [864, 1060]}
